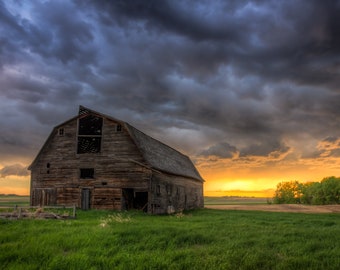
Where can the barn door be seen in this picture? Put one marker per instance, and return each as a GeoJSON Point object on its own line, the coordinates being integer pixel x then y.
{"type": "Point", "coordinates": [85, 199]}
{"type": "Point", "coordinates": [134, 199]}
{"type": "Point", "coordinates": [44, 197]}
{"type": "Point", "coordinates": [128, 195]}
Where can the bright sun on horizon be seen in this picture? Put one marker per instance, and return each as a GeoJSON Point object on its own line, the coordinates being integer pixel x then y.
{"type": "Point", "coordinates": [216, 187]}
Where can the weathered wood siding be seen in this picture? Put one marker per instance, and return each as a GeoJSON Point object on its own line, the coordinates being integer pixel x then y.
{"type": "Point", "coordinates": [118, 176]}
{"type": "Point", "coordinates": [171, 193]}
{"type": "Point", "coordinates": [107, 198]}
{"type": "Point", "coordinates": [115, 167]}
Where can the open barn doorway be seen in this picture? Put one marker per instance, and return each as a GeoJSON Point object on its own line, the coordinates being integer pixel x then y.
{"type": "Point", "coordinates": [141, 201]}
{"type": "Point", "coordinates": [134, 199]}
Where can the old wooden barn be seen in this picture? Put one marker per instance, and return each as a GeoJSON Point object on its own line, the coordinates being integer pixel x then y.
{"type": "Point", "coordinates": [96, 161]}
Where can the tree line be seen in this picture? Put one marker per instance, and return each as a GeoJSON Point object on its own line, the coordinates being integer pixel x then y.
{"type": "Point", "coordinates": [327, 191]}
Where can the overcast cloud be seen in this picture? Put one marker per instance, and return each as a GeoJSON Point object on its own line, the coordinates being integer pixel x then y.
{"type": "Point", "coordinates": [15, 169]}
{"type": "Point", "coordinates": [223, 79]}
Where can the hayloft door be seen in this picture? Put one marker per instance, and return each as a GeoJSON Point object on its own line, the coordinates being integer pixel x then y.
{"type": "Point", "coordinates": [85, 199]}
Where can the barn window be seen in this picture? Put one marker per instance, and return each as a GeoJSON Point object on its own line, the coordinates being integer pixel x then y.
{"type": "Point", "coordinates": [87, 173]}
{"type": "Point", "coordinates": [89, 134]}
{"type": "Point", "coordinates": [90, 125]}
{"type": "Point", "coordinates": [61, 132]}
{"type": "Point", "coordinates": [119, 128]}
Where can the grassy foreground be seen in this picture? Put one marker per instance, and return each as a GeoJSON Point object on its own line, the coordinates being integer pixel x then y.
{"type": "Point", "coordinates": [202, 239]}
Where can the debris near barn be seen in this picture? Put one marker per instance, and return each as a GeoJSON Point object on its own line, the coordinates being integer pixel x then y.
{"type": "Point", "coordinates": [95, 161]}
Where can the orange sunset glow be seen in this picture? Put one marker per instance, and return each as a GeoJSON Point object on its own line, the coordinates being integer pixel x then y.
{"type": "Point", "coordinates": [249, 90]}
{"type": "Point", "coordinates": [238, 177]}
{"type": "Point", "coordinates": [258, 176]}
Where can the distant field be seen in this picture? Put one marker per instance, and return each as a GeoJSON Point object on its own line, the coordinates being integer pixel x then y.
{"type": "Point", "coordinates": [11, 200]}
{"type": "Point", "coordinates": [201, 239]}
{"type": "Point", "coordinates": [233, 200]}
{"type": "Point", "coordinates": [24, 200]}
{"type": "Point", "coordinates": [261, 204]}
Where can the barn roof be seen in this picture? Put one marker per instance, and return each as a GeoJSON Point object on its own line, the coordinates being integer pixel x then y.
{"type": "Point", "coordinates": [162, 157]}
{"type": "Point", "coordinates": [157, 155]}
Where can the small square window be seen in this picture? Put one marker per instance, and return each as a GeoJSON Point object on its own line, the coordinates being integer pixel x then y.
{"type": "Point", "coordinates": [61, 132]}
{"type": "Point", "coordinates": [87, 173]}
{"type": "Point", "coordinates": [119, 128]}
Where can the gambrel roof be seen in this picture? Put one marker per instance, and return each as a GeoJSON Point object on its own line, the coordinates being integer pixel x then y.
{"type": "Point", "coordinates": [157, 155]}
{"type": "Point", "coordinates": [162, 157]}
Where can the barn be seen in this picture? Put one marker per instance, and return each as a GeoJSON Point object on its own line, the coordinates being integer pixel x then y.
{"type": "Point", "coordinates": [94, 161]}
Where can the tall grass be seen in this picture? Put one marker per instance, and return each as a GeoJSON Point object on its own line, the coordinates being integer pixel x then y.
{"type": "Point", "coordinates": [202, 239]}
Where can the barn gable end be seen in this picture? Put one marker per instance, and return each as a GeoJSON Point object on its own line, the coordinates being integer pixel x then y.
{"type": "Point", "coordinates": [96, 161]}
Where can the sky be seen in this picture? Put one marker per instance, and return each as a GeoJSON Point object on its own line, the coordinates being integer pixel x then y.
{"type": "Point", "coordinates": [249, 90]}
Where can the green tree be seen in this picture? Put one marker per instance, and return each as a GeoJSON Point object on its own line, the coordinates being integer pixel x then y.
{"type": "Point", "coordinates": [325, 192]}
{"type": "Point", "coordinates": [330, 190]}
{"type": "Point", "coordinates": [313, 193]}
{"type": "Point", "coordinates": [288, 192]}
{"type": "Point", "coordinates": [307, 190]}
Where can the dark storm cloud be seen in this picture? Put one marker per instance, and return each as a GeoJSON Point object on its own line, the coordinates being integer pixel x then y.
{"type": "Point", "coordinates": [272, 38]}
{"type": "Point", "coordinates": [56, 30]}
{"type": "Point", "coordinates": [271, 147]}
{"type": "Point", "coordinates": [221, 150]}
{"type": "Point", "coordinates": [185, 18]}
{"type": "Point", "coordinates": [329, 147]}
{"type": "Point", "coordinates": [253, 71]}
{"type": "Point", "coordinates": [331, 139]}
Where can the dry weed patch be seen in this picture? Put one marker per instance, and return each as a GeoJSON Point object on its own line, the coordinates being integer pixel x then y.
{"type": "Point", "coordinates": [114, 218]}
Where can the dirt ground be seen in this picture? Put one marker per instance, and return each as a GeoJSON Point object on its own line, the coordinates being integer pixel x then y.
{"type": "Point", "coordinates": [295, 208]}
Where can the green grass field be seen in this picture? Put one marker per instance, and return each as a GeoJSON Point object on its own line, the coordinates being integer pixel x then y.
{"type": "Point", "coordinates": [201, 239]}
{"type": "Point", "coordinates": [11, 200]}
